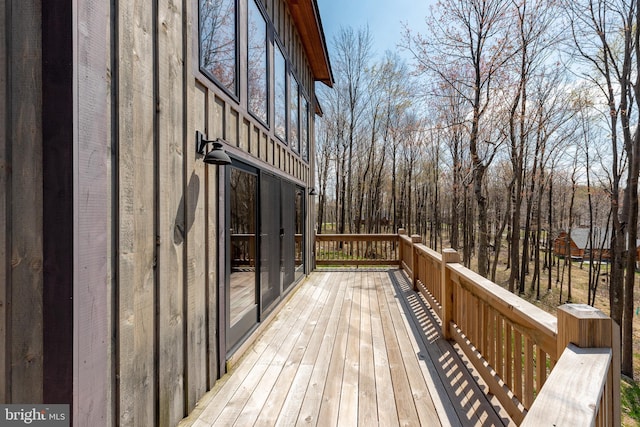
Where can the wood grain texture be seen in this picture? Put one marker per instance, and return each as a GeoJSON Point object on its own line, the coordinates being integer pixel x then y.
{"type": "Point", "coordinates": [195, 263]}
{"type": "Point", "coordinates": [343, 340]}
{"type": "Point", "coordinates": [26, 328]}
{"type": "Point", "coordinates": [136, 210]}
{"type": "Point", "coordinates": [229, 385]}
{"type": "Point", "coordinates": [293, 380]}
{"type": "Point", "coordinates": [5, 202]}
{"type": "Point", "coordinates": [173, 223]}
{"type": "Point", "coordinates": [212, 175]}
{"type": "Point", "coordinates": [330, 404]}
{"type": "Point", "coordinates": [93, 306]}
{"type": "Point", "coordinates": [302, 404]}
{"type": "Point", "coordinates": [572, 394]}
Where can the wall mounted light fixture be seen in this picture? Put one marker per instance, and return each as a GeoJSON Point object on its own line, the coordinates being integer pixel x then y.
{"type": "Point", "coordinates": [215, 156]}
{"type": "Point", "coordinates": [312, 191]}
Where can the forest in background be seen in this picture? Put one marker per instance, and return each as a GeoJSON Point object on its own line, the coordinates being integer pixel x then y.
{"type": "Point", "coordinates": [511, 121]}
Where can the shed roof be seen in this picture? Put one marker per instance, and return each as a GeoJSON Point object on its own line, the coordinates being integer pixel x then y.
{"type": "Point", "coordinates": [306, 17]}
{"type": "Point", "coordinates": [580, 237]}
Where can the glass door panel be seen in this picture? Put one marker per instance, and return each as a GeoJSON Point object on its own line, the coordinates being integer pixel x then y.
{"type": "Point", "coordinates": [287, 263]}
{"type": "Point", "coordinates": [299, 232]}
{"type": "Point", "coordinates": [270, 236]}
{"type": "Point", "coordinates": [242, 313]}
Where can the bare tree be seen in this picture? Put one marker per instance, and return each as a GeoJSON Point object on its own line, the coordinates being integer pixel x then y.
{"type": "Point", "coordinates": [470, 37]}
{"type": "Point", "coordinates": [352, 55]}
{"type": "Point", "coordinates": [605, 35]}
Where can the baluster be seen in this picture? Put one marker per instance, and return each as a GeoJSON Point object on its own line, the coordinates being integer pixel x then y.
{"type": "Point", "coordinates": [509, 355]}
{"type": "Point", "coordinates": [528, 373]}
{"type": "Point", "coordinates": [517, 362]}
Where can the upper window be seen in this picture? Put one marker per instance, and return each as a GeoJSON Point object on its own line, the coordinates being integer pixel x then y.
{"type": "Point", "coordinates": [219, 42]}
{"type": "Point", "coordinates": [293, 114]}
{"type": "Point", "coordinates": [304, 128]}
{"type": "Point", "coordinates": [280, 113]}
{"type": "Point", "coordinates": [257, 63]}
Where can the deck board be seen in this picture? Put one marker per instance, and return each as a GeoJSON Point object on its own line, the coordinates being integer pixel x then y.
{"type": "Point", "coordinates": [350, 348]}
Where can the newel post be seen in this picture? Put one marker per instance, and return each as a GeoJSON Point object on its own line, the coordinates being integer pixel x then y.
{"type": "Point", "coordinates": [415, 239]}
{"type": "Point", "coordinates": [401, 232]}
{"type": "Point", "coordinates": [588, 327]}
{"type": "Point", "coordinates": [449, 256]}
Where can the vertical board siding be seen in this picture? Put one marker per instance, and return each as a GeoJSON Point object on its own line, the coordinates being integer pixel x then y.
{"type": "Point", "coordinates": [195, 271]}
{"type": "Point", "coordinates": [171, 213]}
{"type": "Point", "coordinates": [202, 105]}
{"type": "Point", "coordinates": [26, 377]}
{"type": "Point", "coordinates": [136, 238]}
{"type": "Point", "coordinates": [195, 275]}
{"type": "Point", "coordinates": [58, 195]}
{"type": "Point", "coordinates": [146, 223]}
{"type": "Point", "coordinates": [92, 288]}
{"type": "Point", "coordinates": [5, 202]}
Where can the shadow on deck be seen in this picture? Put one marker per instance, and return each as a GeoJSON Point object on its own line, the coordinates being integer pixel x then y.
{"type": "Point", "coordinates": [351, 348]}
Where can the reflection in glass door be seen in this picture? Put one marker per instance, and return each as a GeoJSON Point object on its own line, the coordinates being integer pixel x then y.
{"type": "Point", "coordinates": [299, 209]}
{"type": "Point", "coordinates": [270, 238]}
{"type": "Point", "coordinates": [281, 238]}
{"type": "Point", "coordinates": [264, 246]}
{"type": "Point", "coordinates": [287, 250]}
{"type": "Point", "coordinates": [242, 306]}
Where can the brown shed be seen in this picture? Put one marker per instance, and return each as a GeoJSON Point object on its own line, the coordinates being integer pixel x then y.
{"type": "Point", "coordinates": [564, 245]}
{"type": "Point", "coordinates": [580, 245]}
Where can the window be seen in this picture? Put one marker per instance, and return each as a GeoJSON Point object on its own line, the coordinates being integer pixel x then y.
{"type": "Point", "coordinates": [257, 63]}
{"type": "Point", "coordinates": [293, 114]}
{"type": "Point", "coordinates": [218, 42]}
{"type": "Point", "coordinates": [304, 128]}
{"type": "Point", "coordinates": [280, 113]}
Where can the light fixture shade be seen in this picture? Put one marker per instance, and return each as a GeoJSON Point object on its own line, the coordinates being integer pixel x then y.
{"type": "Point", "coordinates": [217, 156]}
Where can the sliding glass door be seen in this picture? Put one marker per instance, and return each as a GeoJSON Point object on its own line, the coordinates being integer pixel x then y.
{"type": "Point", "coordinates": [241, 299]}
{"type": "Point", "coordinates": [265, 245]}
{"type": "Point", "coordinates": [288, 220]}
{"type": "Point", "coordinates": [271, 236]}
{"type": "Point", "coordinates": [281, 237]}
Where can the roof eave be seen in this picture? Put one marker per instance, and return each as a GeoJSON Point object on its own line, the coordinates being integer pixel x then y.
{"type": "Point", "coordinates": [306, 17]}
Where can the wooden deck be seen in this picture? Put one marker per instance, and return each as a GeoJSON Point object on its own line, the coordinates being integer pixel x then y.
{"type": "Point", "coordinates": [350, 348]}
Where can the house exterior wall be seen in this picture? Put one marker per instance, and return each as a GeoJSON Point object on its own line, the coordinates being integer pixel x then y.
{"type": "Point", "coordinates": [143, 260]}
{"type": "Point", "coordinates": [560, 246]}
{"type": "Point", "coordinates": [21, 205]}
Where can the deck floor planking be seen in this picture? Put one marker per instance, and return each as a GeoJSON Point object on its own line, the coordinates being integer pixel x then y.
{"type": "Point", "coordinates": [350, 348]}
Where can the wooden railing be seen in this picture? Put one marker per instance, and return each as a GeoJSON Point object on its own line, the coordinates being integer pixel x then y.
{"type": "Point", "coordinates": [356, 249]}
{"type": "Point", "coordinates": [522, 353]}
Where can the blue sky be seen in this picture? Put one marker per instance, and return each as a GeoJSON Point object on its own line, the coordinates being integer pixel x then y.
{"type": "Point", "coordinates": [384, 17]}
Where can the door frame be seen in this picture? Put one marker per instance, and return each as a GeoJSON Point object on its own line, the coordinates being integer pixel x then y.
{"type": "Point", "coordinates": [234, 336]}
{"type": "Point", "coordinates": [239, 161]}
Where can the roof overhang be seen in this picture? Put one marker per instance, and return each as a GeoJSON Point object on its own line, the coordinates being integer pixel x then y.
{"type": "Point", "coordinates": [306, 17]}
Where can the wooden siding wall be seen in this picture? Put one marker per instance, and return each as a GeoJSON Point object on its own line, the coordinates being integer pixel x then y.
{"type": "Point", "coordinates": [146, 209]}
{"type": "Point", "coordinates": [93, 276]}
{"type": "Point", "coordinates": [21, 205]}
{"type": "Point", "coordinates": [5, 201]}
{"type": "Point", "coordinates": [57, 199]}
{"type": "Point", "coordinates": [167, 203]}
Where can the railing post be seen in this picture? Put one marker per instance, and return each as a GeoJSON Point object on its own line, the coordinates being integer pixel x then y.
{"type": "Point", "coordinates": [401, 232]}
{"type": "Point", "coordinates": [414, 260]}
{"type": "Point", "coordinates": [588, 327]}
{"type": "Point", "coordinates": [449, 256]}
